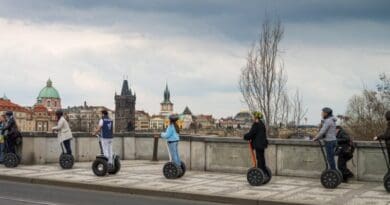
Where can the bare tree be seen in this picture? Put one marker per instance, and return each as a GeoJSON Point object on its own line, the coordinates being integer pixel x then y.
{"type": "Point", "coordinates": [262, 81]}
{"type": "Point", "coordinates": [299, 110]}
{"type": "Point", "coordinates": [366, 114]}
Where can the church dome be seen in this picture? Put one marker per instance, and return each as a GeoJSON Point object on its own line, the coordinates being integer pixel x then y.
{"type": "Point", "coordinates": [49, 91]}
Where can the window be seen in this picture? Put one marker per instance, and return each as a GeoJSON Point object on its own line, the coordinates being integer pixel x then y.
{"type": "Point", "coordinates": [48, 103]}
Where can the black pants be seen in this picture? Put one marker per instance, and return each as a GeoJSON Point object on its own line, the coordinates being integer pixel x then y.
{"type": "Point", "coordinates": [11, 144]}
{"type": "Point", "coordinates": [67, 146]}
{"type": "Point", "coordinates": [261, 160]}
{"type": "Point", "coordinates": [342, 165]}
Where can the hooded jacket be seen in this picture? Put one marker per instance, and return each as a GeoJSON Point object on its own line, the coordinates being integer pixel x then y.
{"type": "Point", "coordinates": [328, 131]}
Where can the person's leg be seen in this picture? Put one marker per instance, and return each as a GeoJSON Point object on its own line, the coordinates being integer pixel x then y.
{"type": "Point", "coordinates": [330, 147]}
{"type": "Point", "coordinates": [11, 145]}
{"type": "Point", "coordinates": [109, 151]}
{"type": "Point", "coordinates": [342, 165]}
{"type": "Point", "coordinates": [67, 146]}
{"type": "Point", "coordinates": [177, 153]}
{"type": "Point", "coordinates": [261, 160]}
{"type": "Point", "coordinates": [1, 152]}
{"type": "Point", "coordinates": [105, 147]}
{"type": "Point", "coordinates": [173, 151]}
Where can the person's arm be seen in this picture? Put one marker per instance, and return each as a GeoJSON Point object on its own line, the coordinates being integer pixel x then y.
{"type": "Point", "coordinates": [384, 136]}
{"type": "Point", "coordinates": [252, 133]}
{"type": "Point", "coordinates": [168, 133]}
{"type": "Point", "coordinates": [323, 131]}
{"type": "Point", "coordinates": [99, 127]}
{"type": "Point", "coordinates": [59, 126]}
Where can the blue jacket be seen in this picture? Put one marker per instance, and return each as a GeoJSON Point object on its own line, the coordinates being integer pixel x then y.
{"type": "Point", "coordinates": [170, 134]}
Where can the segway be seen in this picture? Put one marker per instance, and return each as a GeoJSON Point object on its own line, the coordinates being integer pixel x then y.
{"type": "Point", "coordinates": [386, 178]}
{"type": "Point", "coordinates": [256, 176]}
{"type": "Point", "coordinates": [330, 178]}
{"type": "Point", "coordinates": [100, 165]}
{"type": "Point", "coordinates": [10, 160]}
{"type": "Point", "coordinates": [171, 171]}
{"type": "Point", "coordinates": [66, 160]}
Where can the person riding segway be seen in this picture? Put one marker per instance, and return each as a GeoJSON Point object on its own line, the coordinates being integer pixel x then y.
{"type": "Point", "coordinates": [175, 168]}
{"type": "Point", "coordinates": [330, 177]}
{"type": "Point", "coordinates": [344, 151]}
{"type": "Point", "coordinates": [64, 136]}
{"type": "Point", "coordinates": [259, 174]}
{"type": "Point", "coordinates": [386, 137]}
{"type": "Point", "coordinates": [107, 161]}
{"type": "Point", "coordinates": [13, 141]}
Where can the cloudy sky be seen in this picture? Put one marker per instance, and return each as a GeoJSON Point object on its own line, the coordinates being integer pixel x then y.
{"type": "Point", "coordinates": [330, 49]}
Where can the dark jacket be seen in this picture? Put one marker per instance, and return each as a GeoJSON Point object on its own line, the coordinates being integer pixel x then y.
{"type": "Point", "coordinates": [258, 136]}
{"type": "Point", "coordinates": [11, 129]}
{"type": "Point", "coordinates": [345, 145]}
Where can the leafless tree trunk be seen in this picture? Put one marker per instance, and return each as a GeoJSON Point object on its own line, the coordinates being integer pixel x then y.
{"type": "Point", "coordinates": [299, 110]}
{"type": "Point", "coordinates": [262, 81]}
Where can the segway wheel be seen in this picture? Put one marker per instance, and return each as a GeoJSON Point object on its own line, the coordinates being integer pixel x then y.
{"type": "Point", "coordinates": [268, 178]}
{"type": "Point", "coordinates": [100, 167]}
{"type": "Point", "coordinates": [11, 160]}
{"type": "Point", "coordinates": [117, 166]}
{"type": "Point", "coordinates": [330, 179]}
{"type": "Point", "coordinates": [66, 161]}
{"type": "Point", "coordinates": [386, 183]}
{"type": "Point", "coordinates": [183, 168]}
{"type": "Point", "coordinates": [170, 170]}
{"type": "Point", "coordinates": [255, 177]}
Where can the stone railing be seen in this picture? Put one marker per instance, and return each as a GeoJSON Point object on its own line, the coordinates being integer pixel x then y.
{"type": "Point", "coordinates": [223, 154]}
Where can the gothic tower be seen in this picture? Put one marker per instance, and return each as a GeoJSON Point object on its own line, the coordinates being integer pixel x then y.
{"type": "Point", "coordinates": [166, 104]}
{"type": "Point", "coordinates": [125, 109]}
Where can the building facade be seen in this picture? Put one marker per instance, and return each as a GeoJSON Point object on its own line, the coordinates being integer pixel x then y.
{"type": "Point", "coordinates": [125, 109]}
{"type": "Point", "coordinates": [142, 120]}
{"type": "Point", "coordinates": [85, 118]}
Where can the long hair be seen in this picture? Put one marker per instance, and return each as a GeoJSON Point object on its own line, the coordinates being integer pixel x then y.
{"type": "Point", "coordinates": [176, 126]}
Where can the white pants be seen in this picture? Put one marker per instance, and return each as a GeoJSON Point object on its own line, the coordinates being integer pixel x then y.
{"type": "Point", "coordinates": [107, 149]}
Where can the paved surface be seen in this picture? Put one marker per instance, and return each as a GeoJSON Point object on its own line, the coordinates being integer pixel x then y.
{"type": "Point", "coordinates": [13, 193]}
{"type": "Point", "coordinates": [145, 178]}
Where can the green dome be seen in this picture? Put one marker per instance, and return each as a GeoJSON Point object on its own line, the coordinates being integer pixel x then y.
{"type": "Point", "coordinates": [49, 91]}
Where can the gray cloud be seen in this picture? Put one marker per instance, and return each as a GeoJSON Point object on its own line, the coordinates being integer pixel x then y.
{"type": "Point", "coordinates": [199, 47]}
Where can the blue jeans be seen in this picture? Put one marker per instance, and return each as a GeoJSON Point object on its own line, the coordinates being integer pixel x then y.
{"type": "Point", "coordinates": [1, 152]}
{"type": "Point", "coordinates": [330, 147]}
{"type": "Point", "coordinates": [173, 150]}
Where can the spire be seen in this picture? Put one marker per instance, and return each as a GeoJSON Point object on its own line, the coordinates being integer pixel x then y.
{"type": "Point", "coordinates": [125, 88]}
{"type": "Point", "coordinates": [187, 111]}
{"type": "Point", "coordinates": [49, 83]}
{"type": "Point", "coordinates": [5, 97]}
{"type": "Point", "coordinates": [167, 95]}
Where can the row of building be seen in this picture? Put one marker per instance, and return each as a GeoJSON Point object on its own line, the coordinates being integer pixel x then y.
{"type": "Point", "coordinates": [41, 116]}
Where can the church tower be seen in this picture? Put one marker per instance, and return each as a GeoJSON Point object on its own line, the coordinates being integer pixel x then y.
{"type": "Point", "coordinates": [166, 105]}
{"type": "Point", "coordinates": [125, 109]}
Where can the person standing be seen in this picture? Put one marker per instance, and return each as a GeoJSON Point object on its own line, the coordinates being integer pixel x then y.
{"type": "Point", "coordinates": [105, 129]}
{"type": "Point", "coordinates": [173, 138]}
{"type": "Point", "coordinates": [386, 135]}
{"type": "Point", "coordinates": [258, 137]}
{"type": "Point", "coordinates": [328, 134]}
{"type": "Point", "coordinates": [344, 151]}
{"type": "Point", "coordinates": [2, 138]}
{"type": "Point", "coordinates": [11, 132]}
{"type": "Point", "coordinates": [64, 134]}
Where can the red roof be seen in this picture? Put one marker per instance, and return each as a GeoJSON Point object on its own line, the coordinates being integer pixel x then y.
{"type": "Point", "coordinates": [40, 108]}
{"type": "Point", "coordinates": [7, 105]}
